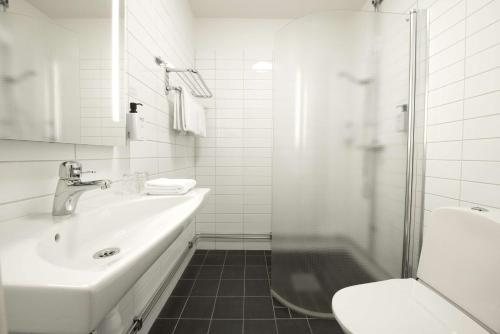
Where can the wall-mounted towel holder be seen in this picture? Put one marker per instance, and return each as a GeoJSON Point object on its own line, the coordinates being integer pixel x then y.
{"type": "Point", "coordinates": [191, 78]}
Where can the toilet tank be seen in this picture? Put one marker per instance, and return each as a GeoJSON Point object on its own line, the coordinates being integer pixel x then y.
{"type": "Point", "coordinates": [461, 259]}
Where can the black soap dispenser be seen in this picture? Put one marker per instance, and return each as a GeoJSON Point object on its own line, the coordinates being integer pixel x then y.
{"type": "Point", "coordinates": [135, 123]}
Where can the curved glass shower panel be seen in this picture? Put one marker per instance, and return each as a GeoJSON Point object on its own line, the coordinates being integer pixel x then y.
{"type": "Point", "coordinates": [341, 83]}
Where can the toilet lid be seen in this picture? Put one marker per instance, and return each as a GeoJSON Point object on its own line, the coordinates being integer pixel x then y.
{"type": "Point", "coordinates": [399, 306]}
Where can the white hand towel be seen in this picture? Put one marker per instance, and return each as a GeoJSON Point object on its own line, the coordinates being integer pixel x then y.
{"type": "Point", "coordinates": [164, 186]}
{"type": "Point", "coordinates": [202, 123]}
{"type": "Point", "coordinates": [178, 110]}
{"type": "Point", "coordinates": [191, 114]}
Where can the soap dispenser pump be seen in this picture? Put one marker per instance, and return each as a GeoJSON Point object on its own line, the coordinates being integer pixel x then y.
{"type": "Point", "coordinates": [135, 123]}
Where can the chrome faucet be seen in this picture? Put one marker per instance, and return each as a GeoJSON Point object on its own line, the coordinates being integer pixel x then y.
{"type": "Point", "coordinates": [70, 187]}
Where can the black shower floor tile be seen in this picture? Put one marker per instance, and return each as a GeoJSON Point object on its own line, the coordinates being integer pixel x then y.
{"type": "Point", "coordinates": [228, 292]}
{"type": "Point", "coordinates": [231, 288]}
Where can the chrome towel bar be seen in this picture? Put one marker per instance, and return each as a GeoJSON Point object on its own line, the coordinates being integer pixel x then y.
{"type": "Point", "coordinates": [191, 78]}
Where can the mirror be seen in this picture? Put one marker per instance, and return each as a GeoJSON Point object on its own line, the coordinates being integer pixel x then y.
{"type": "Point", "coordinates": [61, 71]}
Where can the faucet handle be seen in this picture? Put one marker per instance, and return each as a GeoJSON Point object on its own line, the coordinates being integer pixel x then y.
{"type": "Point", "coordinates": [70, 170]}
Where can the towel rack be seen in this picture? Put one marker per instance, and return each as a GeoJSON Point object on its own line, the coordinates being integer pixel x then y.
{"type": "Point", "coordinates": [191, 78]}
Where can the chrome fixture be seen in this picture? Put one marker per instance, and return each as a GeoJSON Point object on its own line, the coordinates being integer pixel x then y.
{"type": "Point", "coordinates": [408, 267]}
{"type": "Point", "coordinates": [191, 78]}
{"type": "Point", "coordinates": [70, 187]}
{"type": "Point", "coordinates": [353, 79]}
{"type": "Point", "coordinates": [376, 4]}
{"type": "Point", "coordinates": [4, 4]}
{"type": "Point", "coordinates": [107, 252]}
{"type": "Point", "coordinates": [478, 208]}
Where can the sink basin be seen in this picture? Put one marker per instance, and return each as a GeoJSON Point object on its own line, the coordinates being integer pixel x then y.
{"type": "Point", "coordinates": [65, 274]}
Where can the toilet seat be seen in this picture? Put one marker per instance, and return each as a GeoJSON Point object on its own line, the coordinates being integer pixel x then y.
{"type": "Point", "coordinates": [399, 306]}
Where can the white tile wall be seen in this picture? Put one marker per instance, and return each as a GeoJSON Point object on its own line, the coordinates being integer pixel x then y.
{"type": "Point", "coordinates": [235, 159]}
{"type": "Point", "coordinates": [28, 170]}
{"type": "Point", "coordinates": [463, 157]}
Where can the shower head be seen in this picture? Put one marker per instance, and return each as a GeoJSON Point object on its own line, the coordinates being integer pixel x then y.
{"type": "Point", "coordinates": [22, 77]}
{"type": "Point", "coordinates": [160, 61]}
{"type": "Point", "coordinates": [352, 78]}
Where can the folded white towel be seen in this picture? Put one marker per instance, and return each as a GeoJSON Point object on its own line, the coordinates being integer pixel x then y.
{"type": "Point", "coordinates": [164, 186]}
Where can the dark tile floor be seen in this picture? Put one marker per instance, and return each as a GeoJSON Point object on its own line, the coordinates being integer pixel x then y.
{"type": "Point", "coordinates": [228, 292]}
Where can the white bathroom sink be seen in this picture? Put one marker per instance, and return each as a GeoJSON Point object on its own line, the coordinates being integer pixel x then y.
{"type": "Point", "coordinates": [53, 281]}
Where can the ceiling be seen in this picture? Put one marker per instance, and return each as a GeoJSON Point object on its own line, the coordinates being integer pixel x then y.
{"type": "Point", "coordinates": [268, 9]}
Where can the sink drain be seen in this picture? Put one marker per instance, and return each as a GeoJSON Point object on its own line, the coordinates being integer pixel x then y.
{"type": "Point", "coordinates": [107, 252]}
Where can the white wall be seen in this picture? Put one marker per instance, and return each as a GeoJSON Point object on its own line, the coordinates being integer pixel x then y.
{"type": "Point", "coordinates": [235, 159]}
{"type": "Point", "coordinates": [463, 150]}
{"type": "Point", "coordinates": [29, 170]}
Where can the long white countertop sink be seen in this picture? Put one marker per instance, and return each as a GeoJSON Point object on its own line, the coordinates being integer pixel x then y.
{"type": "Point", "coordinates": [53, 279]}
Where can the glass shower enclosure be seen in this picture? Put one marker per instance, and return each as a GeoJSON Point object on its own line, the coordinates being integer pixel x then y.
{"type": "Point", "coordinates": [349, 109]}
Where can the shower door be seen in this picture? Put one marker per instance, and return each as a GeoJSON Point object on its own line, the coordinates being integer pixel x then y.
{"type": "Point", "coordinates": [343, 100]}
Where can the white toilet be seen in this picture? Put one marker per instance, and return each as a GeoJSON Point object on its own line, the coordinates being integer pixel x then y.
{"type": "Point", "coordinates": [457, 290]}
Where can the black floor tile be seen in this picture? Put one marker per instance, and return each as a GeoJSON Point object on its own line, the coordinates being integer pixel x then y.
{"type": "Point", "coordinates": [234, 260]}
{"type": "Point", "coordinates": [173, 307]}
{"type": "Point", "coordinates": [297, 315]}
{"type": "Point", "coordinates": [216, 251]}
{"type": "Point", "coordinates": [201, 252]}
{"type": "Point", "coordinates": [281, 313]}
{"type": "Point", "coordinates": [212, 272]}
{"type": "Point", "coordinates": [260, 327]}
{"type": "Point", "coordinates": [277, 303]}
{"type": "Point", "coordinates": [235, 252]}
{"type": "Point", "coordinates": [258, 308]}
{"type": "Point", "coordinates": [257, 272]}
{"type": "Point", "coordinates": [163, 326]}
{"type": "Point", "coordinates": [257, 287]}
{"type": "Point", "coordinates": [228, 308]}
{"type": "Point", "coordinates": [197, 260]}
{"type": "Point", "coordinates": [191, 326]}
{"type": "Point", "coordinates": [293, 326]}
{"type": "Point", "coordinates": [191, 272]}
{"type": "Point", "coordinates": [255, 252]}
{"type": "Point", "coordinates": [198, 308]}
{"type": "Point", "coordinates": [214, 259]}
{"type": "Point", "coordinates": [267, 252]}
{"type": "Point", "coordinates": [231, 288]}
{"type": "Point", "coordinates": [205, 287]}
{"type": "Point", "coordinates": [183, 287]}
{"type": "Point", "coordinates": [233, 273]}
{"type": "Point", "coordinates": [221, 292]}
{"type": "Point", "coordinates": [226, 327]}
{"type": "Point", "coordinates": [255, 260]}
{"type": "Point", "coordinates": [322, 326]}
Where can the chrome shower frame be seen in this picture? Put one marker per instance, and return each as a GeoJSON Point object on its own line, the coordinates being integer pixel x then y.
{"type": "Point", "coordinates": [413, 219]}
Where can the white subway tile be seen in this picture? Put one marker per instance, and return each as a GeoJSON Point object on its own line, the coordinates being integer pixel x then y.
{"type": "Point", "coordinates": [481, 171]}
{"type": "Point", "coordinates": [482, 149]}
{"type": "Point", "coordinates": [483, 83]}
{"type": "Point", "coordinates": [483, 127]}
{"type": "Point", "coordinates": [481, 193]}
{"type": "Point", "coordinates": [482, 105]}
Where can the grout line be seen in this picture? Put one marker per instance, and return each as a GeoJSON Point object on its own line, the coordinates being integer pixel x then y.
{"type": "Point", "coordinates": [270, 295]}
{"type": "Point", "coordinates": [463, 116]}
{"type": "Point", "coordinates": [217, 292]}
{"type": "Point", "coordinates": [244, 287]}
{"type": "Point", "coordinates": [189, 293]}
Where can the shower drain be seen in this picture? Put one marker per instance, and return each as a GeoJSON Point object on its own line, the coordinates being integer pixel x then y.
{"type": "Point", "coordinates": [107, 252]}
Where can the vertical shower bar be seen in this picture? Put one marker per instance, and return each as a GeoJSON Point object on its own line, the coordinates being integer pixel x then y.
{"type": "Point", "coordinates": [407, 266]}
